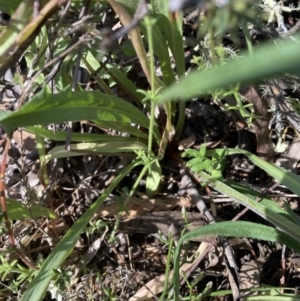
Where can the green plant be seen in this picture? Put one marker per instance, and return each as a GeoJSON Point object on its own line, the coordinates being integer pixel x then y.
{"type": "Point", "coordinates": [9, 268]}
{"type": "Point", "coordinates": [145, 139]}
{"type": "Point", "coordinates": [213, 166]}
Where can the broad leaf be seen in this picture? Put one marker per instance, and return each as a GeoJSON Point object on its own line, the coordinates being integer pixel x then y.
{"type": "Point", "coordinates": [47, 108]}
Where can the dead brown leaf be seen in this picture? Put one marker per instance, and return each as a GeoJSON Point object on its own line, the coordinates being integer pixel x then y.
{"type": "Point", "coordinates": [25, 140]}
{"type": "Point", "coordinates": [141, 205]}
{"type": "Point", "coordinates": [187, 142]}
{"type": "Point", "coordinates": [265, 149]}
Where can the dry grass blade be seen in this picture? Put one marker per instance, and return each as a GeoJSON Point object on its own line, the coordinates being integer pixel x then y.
{"type": "Point", "coordinates": [135, 36]}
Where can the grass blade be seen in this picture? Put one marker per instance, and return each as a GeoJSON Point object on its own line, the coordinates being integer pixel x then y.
{"type": "Point", "coordinates": [267, 61]}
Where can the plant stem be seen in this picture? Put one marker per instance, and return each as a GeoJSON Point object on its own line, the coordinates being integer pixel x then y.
{"type": "Point", "coordinates": [248, 38]}
{"type": "Point", "coordinates": [148, 23]}
{"type": "Point", "coordinates": [136, 183]}
{"type": "Point", "coordinates": [40, 145]}
{"type": "Point", "coordinates": [166, 284]}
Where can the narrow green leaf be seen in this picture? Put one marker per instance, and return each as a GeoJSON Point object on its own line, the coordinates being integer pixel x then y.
{"type": "Point", "coordinates": [116, 74]}
{"type": "Point", "coordinates": [291, 213]}
{"type": "Point", "coordinates": [162, 51]}
{"type": "Point", "coordinates": [159, 42]}
{"type": "Point", "coordinates": [243, 229]}
{"type": "Point", "coordinates": [124, 82]}
{"type": "Point", "coordinates": [256, 195]}
{"type": "Point", "coordinates": [268, 60]}
{"type": "Point", "coordinates": [171, 26]}
{"type": "Point", "coordinates": [286, 297]}
{"type": "Point", "coordinates": [60, 152]}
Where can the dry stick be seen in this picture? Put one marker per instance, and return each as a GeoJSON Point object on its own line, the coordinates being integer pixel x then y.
{"type": "Point", "coordinates": [83, 12]}
{"type": "Point", "coordinates": [229, 260]}
{"type": "Point", "coordinates": [74, 88]}
{"type": "Point", "coordinates": [4, 208]}
{"type": "Point", "coordinates": [265, 149]}
{"type": "Point", "coordinates": [283, 265]}
{"type": "Point", "coordinates": [62, 18]}
{"type": "Point", "coordinates": [140, 13]}
{"type": "Point", "coordinates": [203, 209]}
